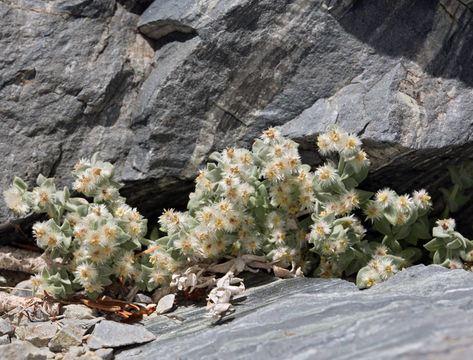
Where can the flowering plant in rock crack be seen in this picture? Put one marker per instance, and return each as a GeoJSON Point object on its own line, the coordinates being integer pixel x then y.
{"type": "Point", "coordinates": [250, 210]}
{"type": "Point", "coordinates": [339, 236]}
{"type": "Point", "coordinates": [449, 247]}
{"type": "Point", "coordinates": [96, 240]}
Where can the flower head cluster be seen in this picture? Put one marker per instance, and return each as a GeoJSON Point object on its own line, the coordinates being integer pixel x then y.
{"type": "Point", "coordinates": [449, 248]}
{"type": "Point", "coordinates": [379, 269]}
{"type": "Point", "coordinates": [261, 205]}
{"type": "Point", "coordinates": [96, 240]}
{"type": "Point", "coordinates": [348, 147]}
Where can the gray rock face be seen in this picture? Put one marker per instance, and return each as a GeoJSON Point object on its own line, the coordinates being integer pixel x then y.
{"type": "Point", "coordinates": [422, 312]}
{"type": "Point", "coordinates": [77, 77]}
{"type": "Point", "coordinates": [113, 334]}
{"type": "Point", "coordinates": [78, 311]}
{"type": "Point", "coordinates": [37, 334]}
{"type": "Point", "coordinates": [21, 350]}
{"type": "Point", "coordinates": [6, 328]}
{"type": "Point", "coordinates": [4, 339]}
{"type": "Point", "coordinates": [66, 337]}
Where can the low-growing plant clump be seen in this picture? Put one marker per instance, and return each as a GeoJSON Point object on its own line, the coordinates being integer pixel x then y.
{"type": "Point", "coordinates": [251, 209]}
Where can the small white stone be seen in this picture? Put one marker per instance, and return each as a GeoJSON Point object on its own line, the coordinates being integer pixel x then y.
{"type": "Point", "coordinates": [165, 304]}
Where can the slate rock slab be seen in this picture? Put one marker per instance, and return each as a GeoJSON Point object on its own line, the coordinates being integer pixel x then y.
{"type": "Point", "coordinates": [78, 311]}
{"type": "Point", "coordinates": [66, 337]}
{"type": "Point", "coordinates": [105, 354]}
{"type": "Point", "coordinates": [112, 334]}
{"type": "Point", "coordinates": [21, 350]}
{"type": "Point", "coordinates": [421, 312]}
{"type": "Point", "coordinates": [38, 334]}
{"type": "Point", "coordinates": [80, 78]}
{"type": "Point", "coordinates": [4, 339]}
{"type": "Point", "coordinates": [6, 328]}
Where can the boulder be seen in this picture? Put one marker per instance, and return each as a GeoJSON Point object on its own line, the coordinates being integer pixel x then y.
{"type": "Point", "coordinates": [422, 312]}
{"type": "Point", "coordinates": [80, 78]}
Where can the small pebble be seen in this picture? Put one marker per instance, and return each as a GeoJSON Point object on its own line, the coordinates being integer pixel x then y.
{"type": "Point", "coordinates": [21, 350]}
{"type": "Point", "coordinates": [23, 289]}
{"type": "Point", "coordinates": [6, 328]}
{"type": "Point", "coordinates": [5, 339]}
{"type": "Point", "coordinates": [65, 338]}
{"type": "Point", "coordinates": [165, 304]}
{"type": "Point", "coordinates": [78, 311]}
{"type": "Point", "coordinates": [142, 298]}
{"type": "Point", "coordinates": [105, 353]}
{"type": "Point", "coordinates": [39, 334]}
{"type": "Point", "coordinates": [112, 334]}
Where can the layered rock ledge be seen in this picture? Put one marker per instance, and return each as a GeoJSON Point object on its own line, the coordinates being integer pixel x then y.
{"type": "Point", "coordinates": [421, 312]}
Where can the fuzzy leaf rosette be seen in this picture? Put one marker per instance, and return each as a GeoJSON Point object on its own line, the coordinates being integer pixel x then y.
{"type": "Point", "coordinates": [258, 208]}
{"type": "Point", "coordinates": [245, 202]}
{"type": "Point", "coordinates": [96, 240]}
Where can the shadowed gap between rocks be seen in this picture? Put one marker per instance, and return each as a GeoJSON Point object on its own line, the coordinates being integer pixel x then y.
{"type": "Point", "coordinates": [395, 28]}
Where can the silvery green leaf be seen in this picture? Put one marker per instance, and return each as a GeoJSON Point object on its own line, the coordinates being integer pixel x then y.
{"type": "Point", "coordinates": [383, 226]}
{"type": "Point", "coordinates": [20, 184]}
{"type": "Point", "coordinates": [455, 244]}
{"type": "Point", "coordinates": [94, 158]}
{"type": "Point", "coordinates": [435, 244]}
{"type": "Point", "coordinates": [40, 180]}
{"type": "Point", "coordinates": [391, 215]}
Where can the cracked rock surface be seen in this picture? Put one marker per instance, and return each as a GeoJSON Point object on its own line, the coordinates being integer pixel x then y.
{"type": "Point", "coordinates": [419, 313]}
{"type": "Point", "coordinates": [78, 76]}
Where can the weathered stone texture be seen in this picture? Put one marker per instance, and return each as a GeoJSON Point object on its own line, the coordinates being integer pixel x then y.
{"type": "Point", "coordinates": [420, 313]}
{"type": "Point", "coordinates": [77, 76]}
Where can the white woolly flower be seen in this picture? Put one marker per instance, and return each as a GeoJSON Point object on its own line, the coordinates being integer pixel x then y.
{"type": "Point", "coordinates": [404, 202]}
{"type": "Point", "coordinates": [325, 144]}
{"type": "Point", "coordinates": [86, 182]}
{"type": "Point", "coordinates": [40, 286]}
{"type": "Point", "coordinates": [381, 250]}
{"type": "Point", "coordinates": [251, 244]}
{"type": "Point", "coordinates": [351, 199]}
{"type": "Point", "coordinates": [14, 200]}
{"type": "Point", "coordinates": [446, 224]}
{"type": "Point", "coordinates": [270, 135]}
{"type": "Point", "coordinates": [373, 211]}
{"type": "Point", "coordinates": [327, 174]}
{"type": "Point", "coordinates": [124, 265]}
{"type": "Point", "coordinates": [47, 237]}
{"type": "Point", "coordinates": [385, 197]}
{"type": "Point", "coordinates": [320, 229]}
{"type": "Point", "coordinates": [94, 288]}
{"type": "Point", "coordinates": [359, 160]}
{"type": "Point", "coordinates": [171, 220]}
{"type": "Point", "coordinates": [371, 277]}
{"type": "Point", "coordinates": [185, 245]}
{"type": "Point", "coordinates": [86, 274]}
{"type": "Point", "coordinates": [81, 163]}
{"type": "Point", "coordinates": [455, 264]}
{"type": "Point", "coordinates": [336, 137]}
{"type": "Point", "coordinates": [422, 199]}
{"type": "Point", "coordinates": [106, 194]}
{"type": "Point", "coordinates": [272, 172]}
{"type": "Point", "coordinates": [350, 144]}
{"type": "Point", "coordinates": [42, 195]}
{"type": "Point", "coordinates": [41, 230]}
{"type": "Point", "coordinates": [386, 268]}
